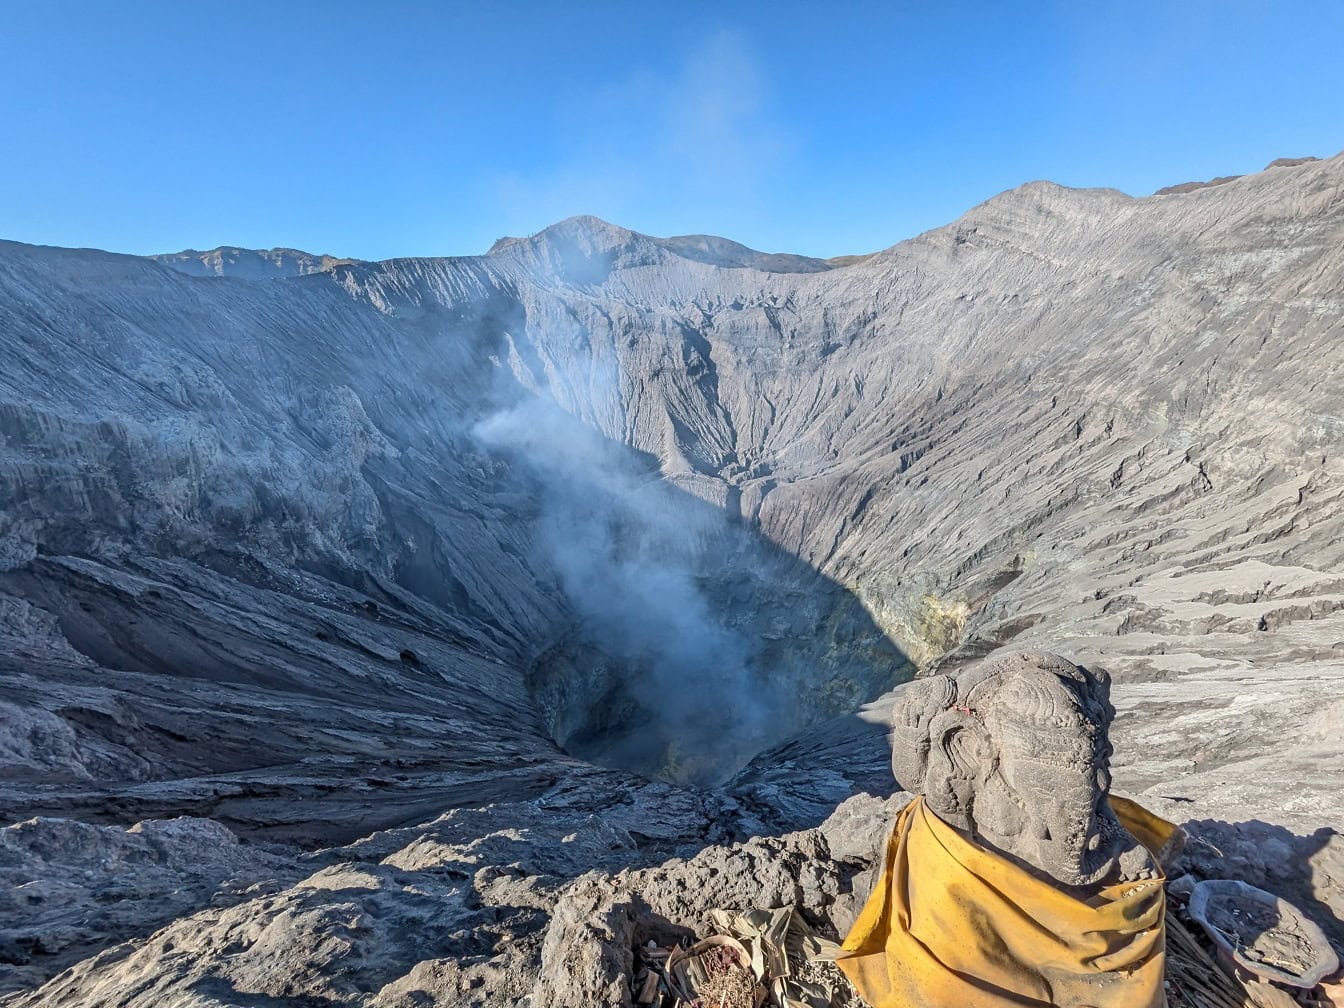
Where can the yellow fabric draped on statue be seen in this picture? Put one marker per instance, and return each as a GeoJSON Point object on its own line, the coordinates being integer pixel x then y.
{"type": "Point", "coordinates": [951, 925]}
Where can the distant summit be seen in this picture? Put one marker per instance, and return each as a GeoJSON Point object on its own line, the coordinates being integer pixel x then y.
{"type": "Point", "coordinates": [702, 248]}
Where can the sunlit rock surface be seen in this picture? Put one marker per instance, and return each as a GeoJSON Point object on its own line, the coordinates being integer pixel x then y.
{"type": "Point", "coordinates": [405, 575]}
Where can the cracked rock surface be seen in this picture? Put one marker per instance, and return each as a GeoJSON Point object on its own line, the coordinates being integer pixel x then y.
{"type": "Point", "coordinates": [426, 631]}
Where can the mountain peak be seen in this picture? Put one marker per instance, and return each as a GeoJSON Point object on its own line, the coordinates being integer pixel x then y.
{"type": "Point", "coordinates": [711, 250]}
{"type": "Point", "coordinates": [586, 225]}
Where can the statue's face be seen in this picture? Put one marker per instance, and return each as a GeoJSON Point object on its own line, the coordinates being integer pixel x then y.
{"type": "Point", "coordinates": [1046, 801]}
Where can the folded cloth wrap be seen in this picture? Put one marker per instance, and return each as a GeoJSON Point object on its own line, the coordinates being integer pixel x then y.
{"type": "Point", "coordinates": [952, 925]}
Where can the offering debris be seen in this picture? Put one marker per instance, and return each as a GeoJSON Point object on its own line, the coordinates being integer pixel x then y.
{"type": "Point", "coordinates": [714, 973]}
{"type": "Point", "coordinates": [1262, 934]}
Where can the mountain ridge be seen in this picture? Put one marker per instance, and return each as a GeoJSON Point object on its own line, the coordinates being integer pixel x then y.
{"type": "Point", "coordinates": [284, 262]}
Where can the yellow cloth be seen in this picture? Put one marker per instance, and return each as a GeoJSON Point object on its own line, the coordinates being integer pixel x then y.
{"type": "Point", "coordinates": [951, 925]}
{"type": "Point", "coordinates": [1163, 839]}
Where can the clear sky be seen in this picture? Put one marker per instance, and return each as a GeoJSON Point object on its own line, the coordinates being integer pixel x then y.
{"type": "Point", "coordinates": [377, 129]}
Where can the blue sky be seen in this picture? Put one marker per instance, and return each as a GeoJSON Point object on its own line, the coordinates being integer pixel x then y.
{"type": "Point", "coordinates": [383, 129]}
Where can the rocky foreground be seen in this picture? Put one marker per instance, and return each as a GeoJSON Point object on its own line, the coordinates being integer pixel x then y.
{"type": "Point", "coordinates": [364, 587]}
{"type": "Point", "coordinates": [539, 903]}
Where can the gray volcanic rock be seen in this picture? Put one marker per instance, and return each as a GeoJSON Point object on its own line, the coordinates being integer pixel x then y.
{"type": "Point", "coordinates": [450, 919]}
{"type": "Point", "coordinates": [447, 920]}
{"type": "Point", "coordinates": [68, 888]}
{"type": "Point", "coordinates": [324, 557]}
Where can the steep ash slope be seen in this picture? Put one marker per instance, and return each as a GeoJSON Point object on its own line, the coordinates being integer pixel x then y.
{"type": "Point", "coordinates": [330, 554]}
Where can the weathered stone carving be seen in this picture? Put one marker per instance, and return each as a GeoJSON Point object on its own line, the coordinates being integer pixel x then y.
{"type": "Point", "coordinates": [1014, 751]}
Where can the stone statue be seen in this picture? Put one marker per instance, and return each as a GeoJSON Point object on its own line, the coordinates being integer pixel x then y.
{"type": "Point", "coordinates": [1009, 880]}
{"type": "Point", "coordinates": [1014, 753]}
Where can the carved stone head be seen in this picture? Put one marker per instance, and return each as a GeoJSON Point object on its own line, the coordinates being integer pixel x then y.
{"type": "Point", "coordinates": [1014, 752]}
